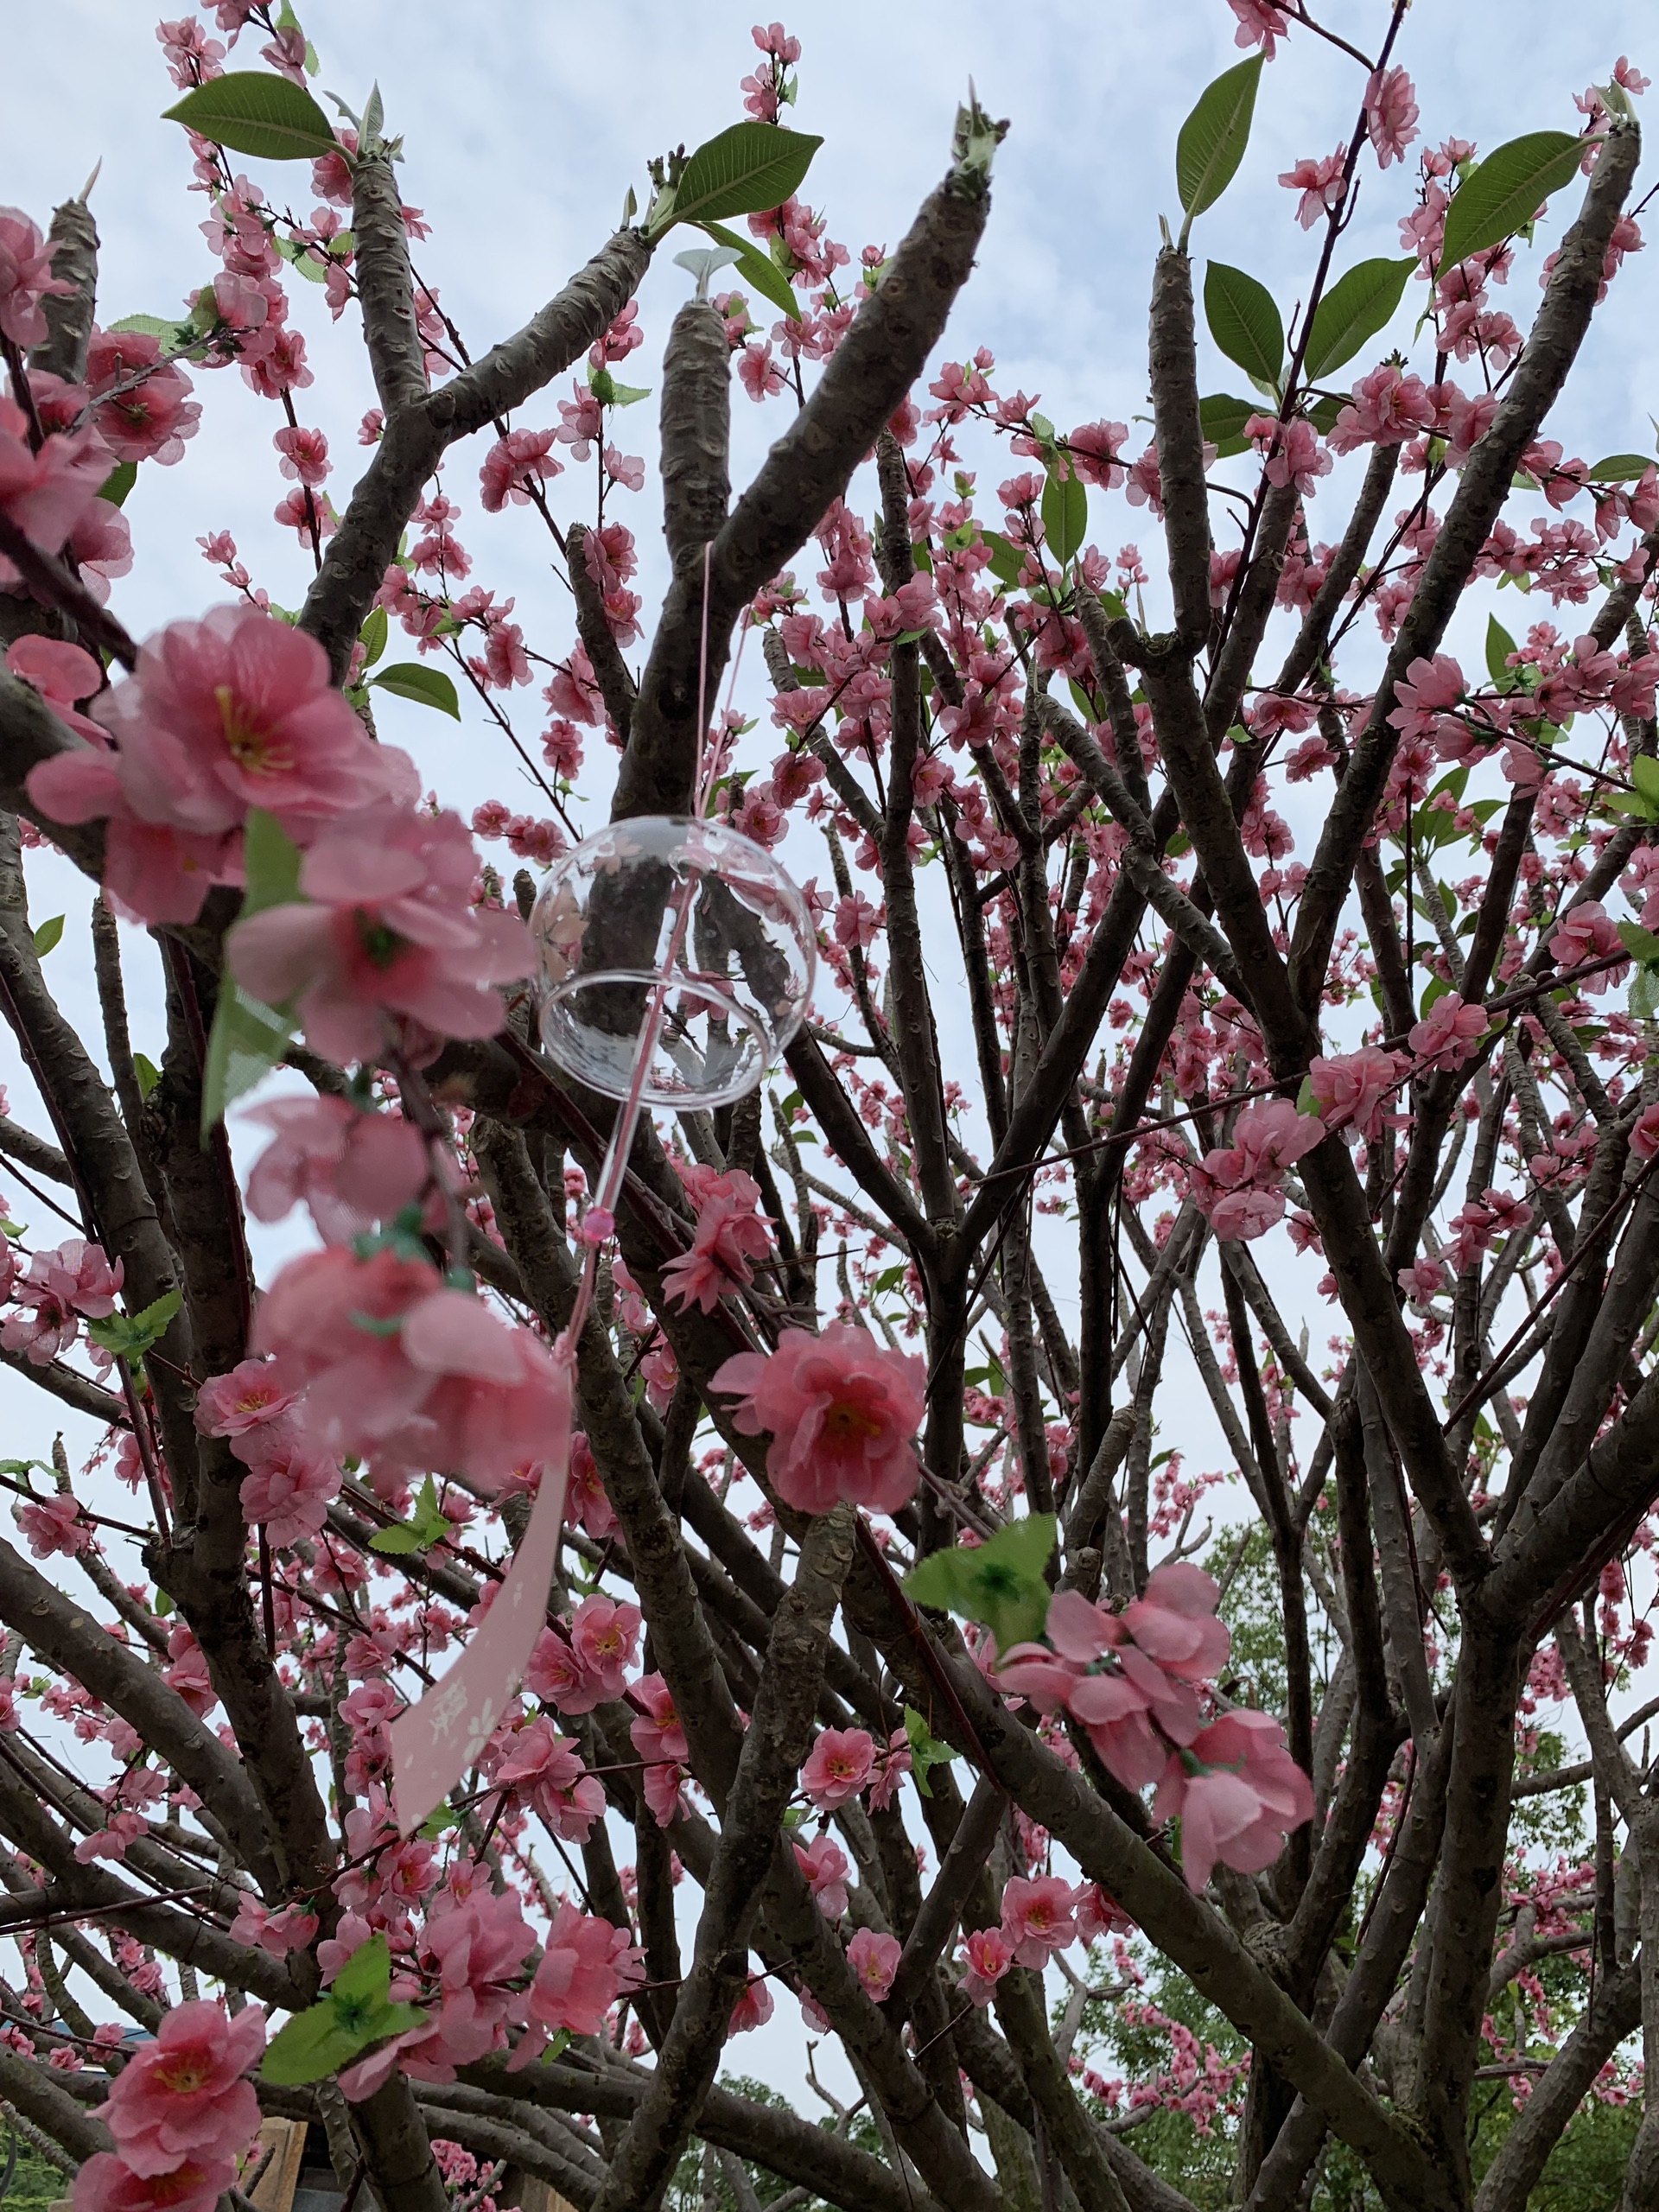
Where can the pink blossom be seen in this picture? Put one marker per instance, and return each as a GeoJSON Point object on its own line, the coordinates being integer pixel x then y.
{"type": "Point", "coordinates": [396, 1364]}
{"type": "Point", "coordinates": [1175, 1624]}
{"type": "Point", "coordinates": [1447, 1036]}
{"type": "Point", "coordinates": [1390, 114]}
{"type": "Point", "coordinates": [587, 1965]}
{"type": "Point", "coordinates": [729, 1237]}
{"type": "Point", "coordinates": [838, 1766]}
{"type": "Point", "coordinates": [752, 2009]}
{"type": "Point", "coordinates": [141, 403]}
{"type": "Point", "coordinates": [1293, 451]}
{"type": "Point", "coordinates": [585, 1498]}
{"type": "Point", "coordinates": [1586, 932]}
{"type": "Point", "coordinates": [1238, 1793]}
{"type": "Point", "coordinates": [826, 1868]}
{"type": "Point", "coordinates": [54, 1524]}
{"type": "Point", "coordinates": [1387, 408]}
{"type": "Point", "coordinates": [1428, 690]}
{"type": "Point", "coordinates": [1352, 1089]}
{"type": "Point", "coordinates": [1320, 182]}
{"type": "Point", "coordinates": [1423, 1280]}
{"type": "Point", "coordinates": [842, 1412]}
{"type": "Point", "coordinates": [1644, 1137]}
{"type": "Point", "coordinates": [26, 278]}
{"type": "Point", "coordinates": [986, 1954]}
{"type": "Point", "coordinates": [874, 1960]}
{"type": "Point", "coordinates": [289, 1493]}
{"type": "Point", "coordinates": [1038, 1918]}
{"type": "Point", "coordinates": [1239, 1189]}
{"type": "Point", "coordinates": [604, 1637]}
{"type": "Point", "coordinates": [389, 931]}
{"type": "Point", "coordinates": [47, 493]}
{"type": "Point", "coordinates": [61, 674]}
{"type": "Point", "coordinates": [249, 1405]}
{"type": "Point", "coordinates": [104, 2183]}
{"type": "Point", "coordinates": [1260, 22]}
{"type": "Point", "coordinates": [351, 1168]}
{"type": "Point", "coordinates": [183, 2097]}
{"type": "Point", "coordinates": [76, 1274]}
{"type": "Point", "coordinates": [513, 466]}
{"type": "Point", "coordinates": [660, 1741]}
{"type": "Point", "coordinates": [293, 1928]}
{"type": "Point", "coordinates": [545, 1769]}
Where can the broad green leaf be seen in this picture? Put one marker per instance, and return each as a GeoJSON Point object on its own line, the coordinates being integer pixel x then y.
{"type": "Point", "coordinates": [1001, 1583]}
{"type": "Point", "coordinates": [129, 1335]}
{"type": "Point", "coordinates": [247, 1040]}
{"type": "Point", "coordinates": [1324, 412]}
{"type": "Point", "coordinates": [1620, 467]}
{"type": "Point", "coordinates": [757, 269]}
{"type": "Point", "coordinates": [1503, 194]}
{"type": "Point", "coordinates": [255, 113]}
{"type": "Point", "coordinates": [427, 687]}
{"type": "Point", "coordinates": [1499, 645]}
{"type": "Point", "coordinates": [1244, 323]}
{"type": "Point", "coordinates": [48, 935]}
{"type": "Point", "coordinates": [147, 1073]}
{"type": "Point", "coordinates": [1437, 987]}
{"type": "Point", "coordinates": [373, 636]}
{"type": "Point", "coordinates": [1641, 944]}
{"type": "Point", "coordinates": [741, 171]}
{"type": "Point", "coordinates": [119, 481]}
{"type": "Point", "coordinates": [366, 1974]}
{"type": "Point", "coordinates": [1065, 515]}
{"type": "Point", "coordinates": [1222, 419]}
{"type": "Point", "coordinates": [272, 862]}
{"type": "Point", "coordinates": [1080, 699]}
{"type": "Point", "coordinates": [1644, 775]}
{"type": "Point", "coordinates": [175, 335]}
{"type": "Point", "coordinates": [1355, 308]}
{"type": "Point", "coordinates": [427, 1526]}
{"type": "Point", "coordinates": [1213, 138]}
{"type": "Point", "coordinates": [1007, 559]}
{"type": "Point", "coordinates": [926, 1750]}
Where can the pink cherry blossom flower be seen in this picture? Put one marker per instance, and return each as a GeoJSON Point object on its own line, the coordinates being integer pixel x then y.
{"type": "Point", "coordinates": [1644, 1137]}
{"type": "Point", "coordinates": [61, 674]}
{"type": "Point", "coordinates": [351, 1168]}
{"type": "Point", "coordinates": [1293, 451]}
{"type": "Point", "coordinates": [729, 1237]}
{"type": "Point", "coordinates": [1260, 24]}
{"type": "Point", "coordinates": [105, 2183]}
{"type": "Point", "coordinates": [1239, 1794]}
{"type": "Point", "coordinates": [1038, 1918]}
{"type": "Point", "coordinates": [604, 1637]}
{"type": "Point", "coordinates": [546, 1770]}
{"type": "Point", "coordinates": [1352, 1089]}
{"type": "Point", "coordinates": [1174, 1622]}
{"type": "Point", "coordinates": [250, 1404]}
{"type": "Point", "coordinates": [587, 1965]}
{"type": "Point", "coordinates": [1390, 114]}
{"type": "Point", "coordinates": [838, 1766]}
{"type": "Point", "coordinates": [842, 1412]}
{"type": "Point", "coordinates": [1388, 407]}
{"type": "Point", "coordinates": [1449, 1033]}
{"type": "Point", "coordinates": [874, 1960]}
{"type": "Point", "coordinates": [513, 465]}
{"type": "Point", "coordinates": [184, 2097]}
{"type": "Point", "coordinates": [826, 1868]}
{"type": "Point", "coordinates": [660, 1741]}
{"type": "Point", "coordinates": [47, 493]}
{"type": "Point", "coordinates": [26, 278]}
{"type": "Point", "coordinates": [1240, 1188]}
{"type": "Point", "coordinates": [389, 930]}
{"type": "Point", "coordinates": [1586, 932]}
{"type": "Point", "coordinates": [399, 1366]}
{"type": "Point", "coordinates": [141, 403]}
{"type": "Point", "coordinates": [289, 1493]}
{"type": "Point", "coordinates": [1320, 182]}
{"type": "Point", "coordinates": [585, 1498]}
{"type": "Point", "coordinates": [986, 1954]}
{"type": "Point", "coordinates": [1423, 1280]}
{"type": "Point", "coordinates": [752, 2009]}
{"type": "Point", "coordinates": [52, 1525]}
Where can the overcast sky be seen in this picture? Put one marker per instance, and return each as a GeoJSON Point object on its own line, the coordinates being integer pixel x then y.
{"type": "Point", "coordinates": [524, 125]}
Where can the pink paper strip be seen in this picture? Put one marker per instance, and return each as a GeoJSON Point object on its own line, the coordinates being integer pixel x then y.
{"type": "Point", "coordinates": [434, 1743]}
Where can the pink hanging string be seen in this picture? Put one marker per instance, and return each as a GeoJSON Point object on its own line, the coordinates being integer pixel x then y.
{"type": "Point", "coordinates": [436, 1741]}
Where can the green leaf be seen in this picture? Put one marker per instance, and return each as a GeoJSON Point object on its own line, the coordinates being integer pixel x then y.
{"type": "Point", "coordinates": [741, 171]}
{"type": "Point", "coordinates": [1324, 412]}
{"type": "Point", "coordinates": [1007, 559]}
{"type": "Point", "coordinates": [147, 1073]}
{"type": "Point", "coordinates": [373, 636]}
{"type": "Point", "coordinates": [1223, 418]}
{"type": "Point", "coordinates": [1244, 323]}
{"type": "Point", "coordinates": [248, 1040]}
{"type": "Point", "coordinates": [253, 113]}
{"type": "Point", "coordinates": [1644, 775]}
{"type": "Point", "coordinates": [757, 269]}
{"type": "Point", "coordinates": [129, 1335]}
{"type": "Point", "coordinates": [48, 935]}
{"type": "Point", "coordinates": [1499, 645]}
{"type": "Point", "coordinates": [271, 860]}
{"type": "Point", "coordinates": [1437, 987]}
{"type": "Point", "coordinates": [1503, 194]}
{"type": "Point", "coordinates": [926, 1750]}
{"type": "Point", "coordinates": [1619, 468]}
{"type": "Point", "coordinates": [175, 335]}
{"type": "Point", "coordinates": [1213, 138]}
{"type": "Point", "coordinates": [1355, 308]}
{"type": "Point", "coordinates": [1001, 1583]}
{"type": "Point", "coordinates": [1641, 944]}
{"type": "Point", "coordinates": [427, 687]}
{"type": "Point", "coordinates": [119, 481]}
{"type": "Point", "coordinates": [427, 1526]}
{"type": "Point", "coordinates": [1065, 515]}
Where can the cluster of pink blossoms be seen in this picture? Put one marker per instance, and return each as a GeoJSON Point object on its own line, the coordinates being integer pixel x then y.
{"type": "Point", "coordinates": [1133, 1680]}
{"type": "Point", "coordinates": [1040, 1916]}
{"type": "Point", "coordinates": [1240, 1188]}
{"type": "Point", "coordinates": [181, 2113]}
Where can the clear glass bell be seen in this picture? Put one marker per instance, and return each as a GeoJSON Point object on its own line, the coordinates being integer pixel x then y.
{"type": "Point", "coordinates": [686, 912]}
